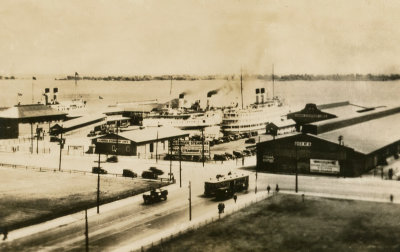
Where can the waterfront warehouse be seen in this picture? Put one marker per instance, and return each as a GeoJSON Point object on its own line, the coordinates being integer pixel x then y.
{"type": "Point", "coordinates": [347, 151]}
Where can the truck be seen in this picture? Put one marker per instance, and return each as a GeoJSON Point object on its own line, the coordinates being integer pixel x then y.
{"type": "Point", "coordinates": [155, 195]}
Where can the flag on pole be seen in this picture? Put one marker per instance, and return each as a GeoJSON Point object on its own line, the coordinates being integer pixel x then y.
{"type": "Point", "coordinates": [76, 73]}
{"type": "Point", "coordinates": [100, 97]}
{"type": "Point", "coordinates": [19, 94]}
{"type": "Point", "coordinates": [33, 78]}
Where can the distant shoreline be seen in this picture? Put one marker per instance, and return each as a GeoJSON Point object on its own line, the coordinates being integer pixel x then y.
{"type": "Point", "coordinates": [290, 77]}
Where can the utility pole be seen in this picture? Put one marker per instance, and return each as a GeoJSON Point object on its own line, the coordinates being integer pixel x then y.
{"type": "Point", "coordinates": [180, 163]}
{"type": "Point", "coordinates": [61, 147]}
{"type": "Point", "coordinates": [37, 139]}
{"type": "Point", "coordinates": [190, 201]}
{"type": "Point", "coordinates": [202, 145]}
{"type": "Point", "coordinates": [98, 186]}
{"type": "Point", "coordinates": [170, 160]}
{"type": "Point", "coordinates": [297, 160]}
{"type": "Point", "coordinates": [273, 82]}
{"type": "Point", "coordinates": [86, 231]}
{"type": "Point", "coordinates": [157, 146]}
{"type": "Point", "coordinates": [31, 138]}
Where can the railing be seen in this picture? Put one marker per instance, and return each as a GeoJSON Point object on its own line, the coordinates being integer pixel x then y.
{"type": "Point", "coordinates": [47, 169]}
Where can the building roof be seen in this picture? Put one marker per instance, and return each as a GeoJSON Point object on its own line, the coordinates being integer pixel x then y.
{"type": "Point", "coordinates": [150, 134]}
{"type": "Point", "coordinates": [281, 122]}
{"type": "Point", "coordinates": [30, 111]}
{"type": "Point", "coordinates": [82, 120]}
{"type": "Point", "coordinates": [369, 136]}
{"type": "Point", "coordinates": [111, 118]}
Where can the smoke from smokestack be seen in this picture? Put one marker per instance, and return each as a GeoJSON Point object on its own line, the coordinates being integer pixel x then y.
{"type": "Point", "coordinates": [212, 92]}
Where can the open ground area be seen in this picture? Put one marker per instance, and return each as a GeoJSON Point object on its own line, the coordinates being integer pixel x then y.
{"type": "Point", "coordinates": [29, 197]}
{"type": "Point", "coordinates": [286, 223]}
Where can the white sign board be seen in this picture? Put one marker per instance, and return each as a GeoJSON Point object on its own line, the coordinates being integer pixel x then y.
{"type": "Point", "coordinates": [193, 148]}
{"type": "Point", "coordinates": [268, 158]}
{"type": "Point", "coordinates": [324, 166]}
{"type": "Point", "coordinates": [114, 141]}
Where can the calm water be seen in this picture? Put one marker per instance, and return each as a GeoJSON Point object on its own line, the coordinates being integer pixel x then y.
{"type": "Point", "coordinates": [295, 93]}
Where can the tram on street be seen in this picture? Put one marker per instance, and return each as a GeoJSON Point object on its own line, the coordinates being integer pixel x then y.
{"type": "Point", "coordinates": [226, 186]}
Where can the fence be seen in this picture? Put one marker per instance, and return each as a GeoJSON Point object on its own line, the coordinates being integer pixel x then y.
{"type": "Point", "coordinates": [47, 169]}
{"type": "Point", "coordinates": [190, 226]}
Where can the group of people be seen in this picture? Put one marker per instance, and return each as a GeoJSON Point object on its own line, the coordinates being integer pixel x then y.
{"type": "Point", "coordinates": [276, 188]}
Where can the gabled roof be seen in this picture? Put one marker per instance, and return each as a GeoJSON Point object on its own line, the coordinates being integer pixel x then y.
{"type": "Point", "coordinates": [81, 120]}
{"type": "Point", "coordinates": [31, 111]}
{"type": "Point", "coordinates": [150, 134]}
{"type": "Point", "coordinates": [280, 123]}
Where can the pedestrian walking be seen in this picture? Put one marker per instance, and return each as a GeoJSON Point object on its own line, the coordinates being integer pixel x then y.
{"type": "Point", "coordinates": [235, 197]}
{"type": "Point", "coordinates": [391, 197]}
{"type": "Point", "coordinates": [277, 188]}
{"type": "Point", "coordinates": [268, 189]}
{"type": "Point", "coordinates": [302, 196]}
{"type": "Point", "coordinates": [5, 233]}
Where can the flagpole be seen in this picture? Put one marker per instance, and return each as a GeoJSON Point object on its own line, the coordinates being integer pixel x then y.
{"type": "Point", "coordinates": [32, 89]}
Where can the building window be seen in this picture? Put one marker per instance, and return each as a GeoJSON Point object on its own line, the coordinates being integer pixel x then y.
{"type": "Point", "coordinates": [128, 148]}
{"type": "Point", "coordinates": [151, 147]}
{"type": "Point", "coordinates": [113, 148]}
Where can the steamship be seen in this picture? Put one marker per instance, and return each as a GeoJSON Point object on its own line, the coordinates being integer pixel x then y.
{"type": "Point", "coordinates": [183, 117]}
{"type": "Point", "coordinates": [74, 108]}
{"type": "Point", "coordinates": [255, 117]}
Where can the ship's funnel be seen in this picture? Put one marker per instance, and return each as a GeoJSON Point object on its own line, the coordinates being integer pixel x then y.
{"type": "Point", "coordinates": [46, 96]}
{"type": "Point", "coordinates": [181, 100]}
{"type": "Point", "coordinates": [262, 95]}
{"type": "Point", "coordinates": [55, 91]}
{"type": "Point", "coordinates": [257, 94]}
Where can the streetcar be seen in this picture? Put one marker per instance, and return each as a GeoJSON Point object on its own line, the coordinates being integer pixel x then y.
{"type": "Point", "coordinates": [226, 186]}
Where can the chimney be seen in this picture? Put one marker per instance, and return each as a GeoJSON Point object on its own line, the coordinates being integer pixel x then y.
{"type": "Point", "coordinates": [181, 100]}
{"type": "Point", "coordinates": [262, 95]}
{"type": "Point", "coordinates": [257, 92]}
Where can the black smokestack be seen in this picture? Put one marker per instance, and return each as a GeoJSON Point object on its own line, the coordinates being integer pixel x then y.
{"type": "Point", "coordinates": [182, 95]}
{"type": "Point", "coordinates": [257, 90]}
{"type": "Point", "coordinates": [262, 90]}
{"type": "Point", "coordinates": [212, 92]}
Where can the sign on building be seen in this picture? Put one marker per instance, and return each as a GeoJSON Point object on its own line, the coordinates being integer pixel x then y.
{"type": "Point", "coordinates": [268, 158]}
{"type": "Point", "coordinates": [114, 141]}
{"type": "Point", "coordinates": [191, 148]}
{"type": "Point", "coordinates": [302, 144]}
{"type": "Point", "coordinates": [324, 166]}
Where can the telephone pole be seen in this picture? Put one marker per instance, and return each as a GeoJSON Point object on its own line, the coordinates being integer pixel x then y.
{"type": "Point", "coordinates": [86, 231]}
{"type": "Point", "coordinates": [180, 163]}
{"type": "Point", "coordinates": [61, 147]}
{"type": "Point", "coordinates": [190, 201]}
{"type": "Point", "coordinates": [98, 186]}
{"type": "Point", "coordinates": [202, 145]}
{"type": "Point", "coordinates": [170, 160]}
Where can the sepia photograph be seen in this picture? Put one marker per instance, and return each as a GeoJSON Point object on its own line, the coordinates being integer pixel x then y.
{"type": "Point", "coordinates": [194, 125]}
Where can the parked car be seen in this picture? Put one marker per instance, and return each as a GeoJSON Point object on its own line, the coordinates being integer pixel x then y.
{"type": "Point", "coordinates": [219, 157]}
{"type": "Point", "coordinates": [149, 175]}
{"type": "Point", "coordinates": [250, 141]}
{"type": "Point", "coordinates": [157, 171]}
{"type": "Point", "coordinates": [112, 159]}
{"type": "Point", "coordinates": [91, 134]}
{"type": "Point", "coordinates": [238, 154]}
{"type": "Point", "coordinates": [228, 155]}
{"type": "Point", "coordinates": [98, 170]}
{"type": "Point", "coordinates": [129, 173]}
{"type": "Point", "coordinates": [247, 153]}
{"type": "Point", "coordinates": [55, 139]}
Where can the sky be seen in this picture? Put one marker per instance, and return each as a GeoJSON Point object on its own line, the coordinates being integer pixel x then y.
{"type": "Point", "coordinates": [134, 37]}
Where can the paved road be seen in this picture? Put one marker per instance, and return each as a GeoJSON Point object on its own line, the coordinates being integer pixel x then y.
{"type": "Point", "coordinates": [131, 223]}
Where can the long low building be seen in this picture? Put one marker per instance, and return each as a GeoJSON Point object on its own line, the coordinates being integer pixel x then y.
{"type": "Point", "coordinates": [141, 142]}
{"type": "Point", "coordinates": [77, 123]}
{"type": "Point", "coordinates": [346, 151]}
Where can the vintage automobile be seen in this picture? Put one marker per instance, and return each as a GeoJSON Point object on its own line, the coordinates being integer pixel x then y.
{"type": "Point", "coordinates": [155, 195]}
{"type": "Point", "coordinates": [98, 170]}
{"type": "Point", "coordinates": [149, 175]}
{"type": "Point", "coordinates": [129, 173]}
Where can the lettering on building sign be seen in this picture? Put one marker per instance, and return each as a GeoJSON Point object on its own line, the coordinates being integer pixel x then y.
{"type": "Point", "coordinates": [302, 144]}
{"type": "Point", "coordinates": [191, 147]}
{"type": "Point", "coordinates": [114, 141]}
{"type": "Point", "coordinates": [268, 158]}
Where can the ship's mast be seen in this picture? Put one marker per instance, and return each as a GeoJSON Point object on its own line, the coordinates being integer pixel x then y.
{"type": "Point", "coordinates": [170, 91]}
{"type": "Point", "coordinates": [273, 82]}
{"type": "Point", "coordinates": [76, 79]}
{"type": "Point", "coordinates": [241, 86]}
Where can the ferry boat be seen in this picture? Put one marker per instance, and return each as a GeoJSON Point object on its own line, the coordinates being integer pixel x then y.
{"type": "Point", "coordinates": [255, 117]}
{"type": "Point", "coordinates": [185, 120]}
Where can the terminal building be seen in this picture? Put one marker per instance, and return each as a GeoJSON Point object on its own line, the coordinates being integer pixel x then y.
{"type": "Point", "coordinates": [348, 144]}
{"type": "Point", "coordinates": [144, 143]}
